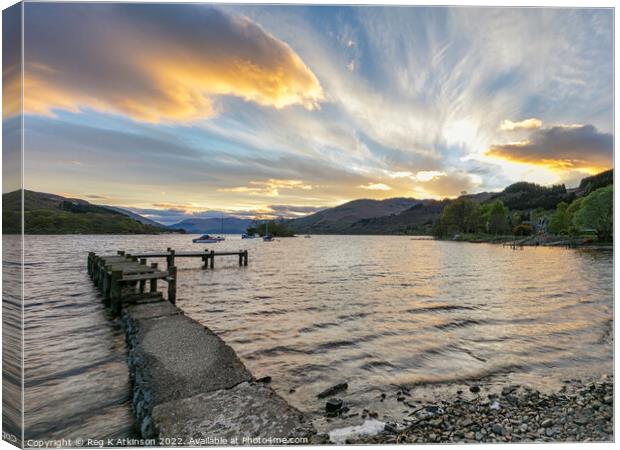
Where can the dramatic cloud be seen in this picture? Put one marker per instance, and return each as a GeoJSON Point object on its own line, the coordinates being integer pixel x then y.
{"type": "Point", "coordinates": [573, 147]}
{"type": "Point", "coordinates": [428, 175]}
{"type": "Point", "coordinates": [527, 124]}
{"type": "Point", "coordinates": [422, 108]}
{"type": "Point", "coordinates": [269, 188]}
{"type": "Point", "coordinates": [446, 185]}
{"type": "Point", "coordinates": [156, 62]}
{"type": "Point", "coordinates": [376, 187]}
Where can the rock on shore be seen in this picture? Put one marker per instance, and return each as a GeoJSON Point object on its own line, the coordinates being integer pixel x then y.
{"type": "Point", "coordinates": [579, 411]}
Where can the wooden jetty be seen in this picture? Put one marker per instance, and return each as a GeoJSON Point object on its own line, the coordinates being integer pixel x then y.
{"type": "Point", "coordinates": [207, 257]}
{"type": "Point", "coordinates": [124, 276]}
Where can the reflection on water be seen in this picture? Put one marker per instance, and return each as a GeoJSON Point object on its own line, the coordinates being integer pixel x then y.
{"type": "Point", "coordinates": [374, 311]}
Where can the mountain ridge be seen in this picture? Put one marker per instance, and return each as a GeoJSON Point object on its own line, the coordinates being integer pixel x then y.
{"type": "Point", "coordinates": [46, 213]}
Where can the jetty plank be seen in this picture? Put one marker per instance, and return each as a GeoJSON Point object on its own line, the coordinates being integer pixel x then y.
{"type": "Point", "coordinates": [145, 276]}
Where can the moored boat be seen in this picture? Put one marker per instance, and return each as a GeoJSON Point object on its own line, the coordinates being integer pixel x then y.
{"type": "Point", "coordinates": [208, 239]}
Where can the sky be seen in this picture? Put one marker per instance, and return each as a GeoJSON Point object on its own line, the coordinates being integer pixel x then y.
{"type": "Point", "coordinates": [179, 110]}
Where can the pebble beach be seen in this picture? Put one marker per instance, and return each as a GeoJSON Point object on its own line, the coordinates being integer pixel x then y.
{"type": "Point", "coordinates": [579, 411]}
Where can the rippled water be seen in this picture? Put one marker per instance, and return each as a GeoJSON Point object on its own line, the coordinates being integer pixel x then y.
{"type": "Point", "coordinates": [373, 311]}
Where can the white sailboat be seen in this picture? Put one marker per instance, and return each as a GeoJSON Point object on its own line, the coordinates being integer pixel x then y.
{"type": "Point", "coordinates": [267, 237]}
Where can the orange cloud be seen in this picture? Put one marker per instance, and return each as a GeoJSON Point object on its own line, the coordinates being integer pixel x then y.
{"type": "Point", "coordinates": [11, 92]}
{"type": "Point", "coordinates": [167, 63]}
{"type": "Point", "coordinates": [561, 148]}
{"type": "Point", "coordinates": [269, 188]}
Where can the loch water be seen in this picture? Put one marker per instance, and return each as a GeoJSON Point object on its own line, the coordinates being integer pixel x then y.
{"type": "Point", "coordinates": [374, 311]}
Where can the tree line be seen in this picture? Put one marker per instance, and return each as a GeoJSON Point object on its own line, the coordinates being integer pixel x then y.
{"type": "Point", "coordinates": [592, 213]}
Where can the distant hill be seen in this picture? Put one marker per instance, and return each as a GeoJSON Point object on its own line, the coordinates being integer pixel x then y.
{"type": "Point", "coordinates": [232, 225]}
{"type": "Point", "coordinates": [137, 217]}
{"type": "Point", "coordinates": [54, 214]}
{"type": "Point", "coordinates": [595, 182]}
{"type": "Point", "coordinates": [410, 216]}
{"type": "Point", "coordinates": [341, 218]}
{"type": "Point", "coordinates": [524, 196]}
{"type": "Point", "coordinates": [417, 220]}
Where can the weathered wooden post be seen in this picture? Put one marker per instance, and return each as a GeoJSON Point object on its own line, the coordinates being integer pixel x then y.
{"type": "Point", "coordinates": [91, 256]}
{"type": "Point", "coordinates": [102, 274]}
{"type": "Point", "coordinates": [95, 269]}
{"type": "Point", "coordinates": [212, 259]}
{"type": "Point", "coordinates": [116, 291]}
{"type": "Point", "coordinates": [245, 257]}
{"type": "Point", "coordinates": [142, 282]}
{"type": "Point", "coordinates": [240, 258]}
{"type": "Point", "coordinates": [106, 285]}
{"type": "Point", "coordinates": [153, 287]}
{"type": "Point", "coordinates": [205, 260]}
{"type": "Point", "coordinates": [172, 284]}
{"type": "Point", "coordinates": [170, 259]}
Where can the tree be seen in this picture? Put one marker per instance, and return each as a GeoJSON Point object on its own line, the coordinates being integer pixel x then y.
{"type": "Point", "coordinates": [515, 218]}
{"type": "Point", "coordinates": [524, 229]}
{"type": "Point", "coordinates": [277, 228]}
{"type": "Point", "coordinates": [463, 215]}
{"type": "Point", "coordinates": [559, 222]}
{"type": "Point", "coordinates": [497, 222]}
{"type": "Point", "coordinates": [596, 212]}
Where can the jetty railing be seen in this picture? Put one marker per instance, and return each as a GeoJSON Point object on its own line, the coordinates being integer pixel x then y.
{"type": "Point", "coordinates": [207, 257]}
{"type": "Point", "coordinates": [124, 276]}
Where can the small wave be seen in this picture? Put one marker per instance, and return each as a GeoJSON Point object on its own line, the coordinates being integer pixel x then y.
{"type": "Point", "coordinates": [278, 350]}
{"type": "Point", "coordinates": [345, 342]}
{"type": "Point", "coordinates": [359, 315]}
{"type": "Point", "coordinates": [475, 376]}
{"type": "Point", "coordinates": [374, 365]}
{"type": "Point", "coordinates": [269, 312]}
{"type": "Point", "coordinates": [317, 326]}
{"type": "Point", "coordinates": [438, 308]}
{"type": "Point", "coordinates": [459, 324]}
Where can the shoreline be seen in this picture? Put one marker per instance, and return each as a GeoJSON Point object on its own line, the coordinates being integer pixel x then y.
{"type": "Point", "coordinates": [576, 411]}
{"type": "Point", "coordinates": [535, 241]}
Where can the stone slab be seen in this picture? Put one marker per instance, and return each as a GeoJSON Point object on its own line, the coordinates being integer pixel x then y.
{"type": "Point", "coordinates": [151, 310]}
{"type": "Point", "coordinates": [182, 358]}
{"type": "Point", "coordinates": [174, 357]}
{"type": "Point", "coordinates": [250, 411]}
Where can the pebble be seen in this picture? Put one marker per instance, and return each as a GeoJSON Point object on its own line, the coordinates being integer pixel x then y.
{"type": "Point", "coordinates": [583, 412]}
{"type": "Point", "coordinates": [497, 429]}
{"type": "Point", "coordinates": [333, 405]}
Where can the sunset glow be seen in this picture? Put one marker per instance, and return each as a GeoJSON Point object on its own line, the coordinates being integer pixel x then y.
{"type": "Point", "coordinates": [245, 107]}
